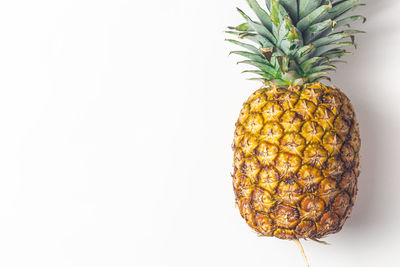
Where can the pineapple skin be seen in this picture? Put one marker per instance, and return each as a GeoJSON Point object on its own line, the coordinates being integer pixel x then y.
{"type": "Point", "coordinates": [296, 161]}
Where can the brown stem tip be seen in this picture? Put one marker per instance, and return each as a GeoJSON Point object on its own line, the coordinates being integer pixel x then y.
{"type": "Point", "coordinates": [297, 241]}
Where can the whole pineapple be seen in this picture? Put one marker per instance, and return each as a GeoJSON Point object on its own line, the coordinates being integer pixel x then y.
{"type": "Point", "coordinates": [297, 143]}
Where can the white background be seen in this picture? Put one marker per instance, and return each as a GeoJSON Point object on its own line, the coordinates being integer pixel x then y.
{"type": "Point", "coordinates": [116, 120]}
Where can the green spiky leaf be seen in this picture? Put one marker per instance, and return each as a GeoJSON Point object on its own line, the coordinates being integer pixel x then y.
{"type": "Point", "coordinates": [320, 51]}
{"type": "Point", "coordinates": [303, 52]}
{"type": "Point", "coordinates": [310, 63]}
{"type": "Point", "coordinates": [307, 6]}
{"type": "Point", "coordinates": [296, 41]}
{"type": "Point", "coordinates": [244, 45]}
{"type": "Point", "coordinates": [349, 20]}
{"type": "Point", "coordinates": [283, 62]}
{"type": "Point", "coordinates": [261, 14]}
{"type": "Point", "coordinates": [308, 20]}
{"type": "Point", "coordinates": [264, 67]}
{"type": "Point", "coordinates": [330, 39]}
{"type": "Point", "coordinates": [245, 27]}
{"type": "Point", "coordinates": [258, 39]}
{"type": "Point", "coordinates": [336, 54]}
{"type": "Point", "coordinates": [259, 72]}
{"type": "Point", "coordinates": [323, 68]}
{"type": "Point", "coordinates": [317, 76]}
{"type": "Point", "coordinates": [258, 28]}
{"type": "Point", "coordinates": [338, 9]}
{"type": "Point", "coordinates": [254, 57]}
{"type": "Point", "coordinates": [317, 29]}
{"type": "Point", "coordinates": [291, 8]}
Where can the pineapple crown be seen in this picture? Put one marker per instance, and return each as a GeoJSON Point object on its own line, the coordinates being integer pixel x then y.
{"type": "Point", "coordinates": [296, 41]}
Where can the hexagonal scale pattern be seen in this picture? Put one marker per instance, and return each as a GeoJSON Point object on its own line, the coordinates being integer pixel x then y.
{"type": "Point", "coordinates": [296, 157]}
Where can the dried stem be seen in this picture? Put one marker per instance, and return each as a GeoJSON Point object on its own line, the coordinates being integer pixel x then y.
{"type": "Point", "coordinates": [320, 241]}
{"type": "Point", "coordinates": [297, 241]}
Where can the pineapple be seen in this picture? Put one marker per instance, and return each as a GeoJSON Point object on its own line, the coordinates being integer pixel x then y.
{"type": "Point", "coordinates": [297, 143]}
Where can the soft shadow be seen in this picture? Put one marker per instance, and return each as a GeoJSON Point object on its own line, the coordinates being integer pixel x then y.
{"type": "Point", "coordinates": [361, 83]}
{"type": "Point", "coordinates": [363, 213]}
{"type": "Point", "coordinates": [374, 7]}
